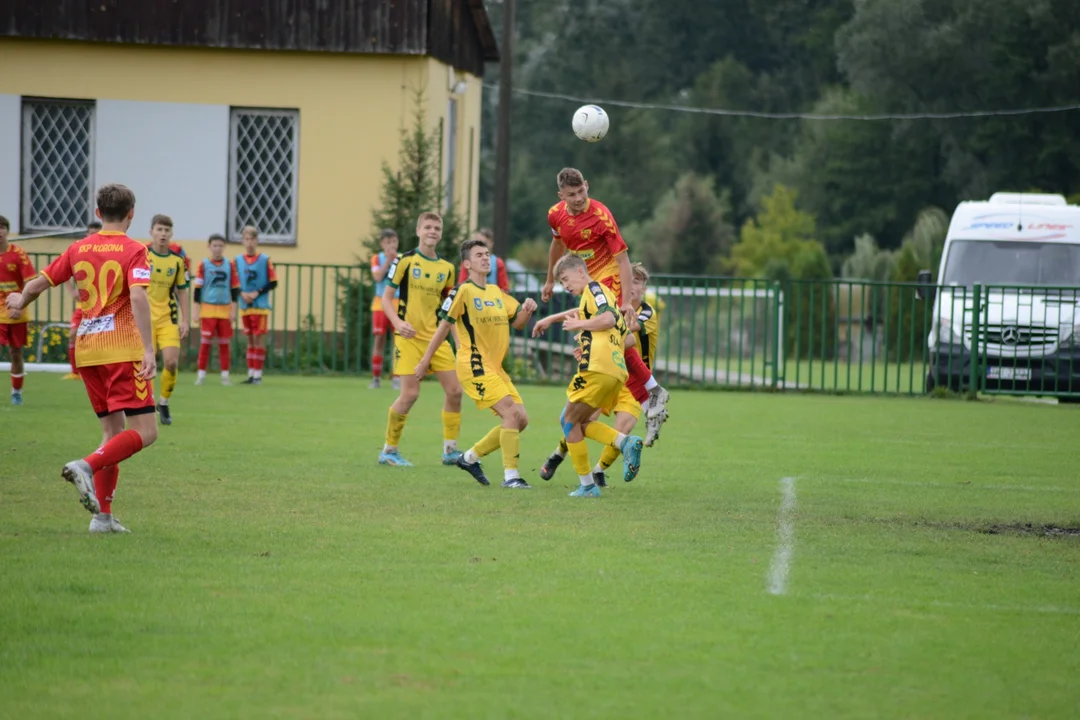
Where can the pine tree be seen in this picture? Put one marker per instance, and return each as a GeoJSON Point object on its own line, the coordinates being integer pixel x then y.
{"type": "Point", "coordinates": [416, 186]}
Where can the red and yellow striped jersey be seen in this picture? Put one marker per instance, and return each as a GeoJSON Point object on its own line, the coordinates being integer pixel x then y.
{"type": "Point", "coordinates": [591, 235]}
{"type": "Point", "coordinates": [15, 271]}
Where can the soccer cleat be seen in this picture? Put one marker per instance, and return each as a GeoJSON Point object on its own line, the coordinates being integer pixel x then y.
{"type": "Point", "coordinates": [71, 376]}
{"type": "Point", "coordinates": [395, 383]}
{"type": "Point", "coordinates": [586, 491]}
{"type": "Point", "coordinates": [475, 469]}
{"type": "Point", "coordinates": [16, 398]}
{"type": "Point", "coordinates": [516, 483]}
{"type": "Point", "coordinates": [250, 380]}
{"type": "Point", "coordinates": [116, 526]}
{"type": "Point", "coordinates": [452, 457]}
{"type": "Point", "coordinates": [200, 380]}
{"type": "Point", "coordinates": [600, 479]}
{"type": "Point", "coordinates": [547, 470]}
{"type": "Point", "coordinates": [80, 474]}
{"type": "Point", "coordinates": [226, 381]}
{"type": "Point", "coordinates": [106, 523]}
{"type": "Point", "coordinates": [376, 383]}
{"type": "Point", "coordinates": [393, 458]}
{"type": "Point", "coordinates": [652, 428]}
{"type": "Point", "coordinates": [164, 415]}
{"type": "Point", "coordinates": [657, 402]}
{"type": "Point", "coordinates": [258, 381]}
{"type": "Point", "coordinates": [631, 454]}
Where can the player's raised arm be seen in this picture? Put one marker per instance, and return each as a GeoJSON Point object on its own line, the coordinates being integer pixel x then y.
{"type": "Point", "coordinates": [626, 280]}
{"type": "Point", "coordinates": [555, 252]}
{"type": "Point", "coordinates": [601, 321]}
{"type": "Point", "coordinates": [521, 318]}
{"type": "Point", "coordinates": [544, 323]}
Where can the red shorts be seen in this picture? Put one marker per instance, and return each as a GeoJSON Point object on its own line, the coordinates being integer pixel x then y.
{"type": "Point", "coordinates": [254, 324]}
{"type": "Point", "coordinates": [380, 323]}
{"type": "Point", "coordinates": [614, 285]}
{"type": "Point", "coordinates": [221, 327]}
{"type": "Point", "coordinates": [115, 387]}
{"type": "Point", "coordinates": [13, 335]}
{"type": "Point", "coordinates": [76, 320]}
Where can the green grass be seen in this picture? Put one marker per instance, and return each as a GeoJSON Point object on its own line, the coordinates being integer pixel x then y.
{"type": "Point", "coordinates": [275, 571]}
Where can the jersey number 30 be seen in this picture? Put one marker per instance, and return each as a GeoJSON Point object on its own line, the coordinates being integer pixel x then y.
{"type": "Point", "coordinates": [105, 287]}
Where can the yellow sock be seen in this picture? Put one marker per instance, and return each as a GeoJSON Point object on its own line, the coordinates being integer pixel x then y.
{"type": "Point", "coordinates": [489, 443]}
{"type": "Point", "coordinates": [601, 433]}
{"type": "Point", "coordinates": [579, 454]}
{"type": "Point", "coordinates": [511, 448]}
{"type": "Point", "coordinates": [608, 457]}
{"type": "Point", "coordinates": [395, 425]}
{"type": "Point", "coordinates": [168, 383]}
{"type": "Point", "coordinates": [451, 425]}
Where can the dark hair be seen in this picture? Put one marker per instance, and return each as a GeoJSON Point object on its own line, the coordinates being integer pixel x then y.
{"type": "Point", "coordinates": [387, 233]}
{"type": "Point", "coordinates": [468, 245]}
{"type": "Point", "coordinates": [486, 232]}
{"type": "Point", "coordinates": [5, 223]}
{"type": "Point", "coordinates": [570, 177]}
{"type": "Point", "coordinates": [94, 226]}
{"type": "Point", "coordinates": [115, 201]}
{"type": "Point", "coordinates": [216, 236]}
{"type": "Point", "coordinates": [161, 220]}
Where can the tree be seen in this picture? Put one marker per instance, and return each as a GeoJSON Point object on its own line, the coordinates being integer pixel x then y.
{"type": "Point", "coordinates": [688, 231]}
{"type": "Point", "coordinates": [414, 187]}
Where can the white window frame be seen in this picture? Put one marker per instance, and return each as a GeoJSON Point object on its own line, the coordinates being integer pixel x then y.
{"type": "Point", "coordinates": [26, 179]}
{"type": "Point", "coordinates": [236, 223]}
{"type": "Point", "coordinates": [452, 126]}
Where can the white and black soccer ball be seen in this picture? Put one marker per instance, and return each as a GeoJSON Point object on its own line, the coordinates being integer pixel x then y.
{"type": "Point", "coordinates": [590, 123]}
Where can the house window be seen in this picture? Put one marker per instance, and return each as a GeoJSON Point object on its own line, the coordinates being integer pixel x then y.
{"type": "Point", "coordinates": [263, 173]}
{"type": "Point", "coordinates": [57, 164]}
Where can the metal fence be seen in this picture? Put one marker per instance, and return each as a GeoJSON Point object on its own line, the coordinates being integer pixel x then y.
{"type": "Point", "coordinates": [842, 336]}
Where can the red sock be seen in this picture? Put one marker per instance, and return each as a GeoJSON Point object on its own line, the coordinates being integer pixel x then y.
{"type": "Point", "coordinates": [376, 365]}
{"type": "Point", "coordinates": [105, 486]}
{"type": "Point", "coordinates": [117, 450]}
{"type": "Point", "coordinates": [223, 355]}
{"type": "Point", "coordinates": [17, 381]}
{"type": "Point", "coordinates": [260, 358]}
{"type": "Point", "coordinates": [204, 355]}
{"type": "Point", "coordinates": [251, 359]}
{"type": "Point", "coordinates": [71, 359]}
{"type": "Point", "coordinates": [639, 371]}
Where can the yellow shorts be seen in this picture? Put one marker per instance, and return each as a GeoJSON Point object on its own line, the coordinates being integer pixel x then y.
{"type": "Point", "coordinates": [166, 334]}
{"type": "Point", "coordinates": [594, 389]}
{"type": "Point", "coordinates": [625, 403]}
{"type": "Point", "coordinates": [489, 389]}
{"type": "Point", "coordinates": [409, 352]}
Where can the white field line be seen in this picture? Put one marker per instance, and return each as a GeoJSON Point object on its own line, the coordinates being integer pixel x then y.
{"type": "Point", "coordinates": [987, 607]}
{"type": "Point", "coordinates": [785, 539]}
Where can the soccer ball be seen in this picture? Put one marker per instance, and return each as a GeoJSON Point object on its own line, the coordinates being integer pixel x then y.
{"type": "Point", "coordinates": [590, 123]}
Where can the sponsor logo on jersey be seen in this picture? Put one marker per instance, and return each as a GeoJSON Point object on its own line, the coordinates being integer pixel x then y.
{"type": "Point", "coordinates": [141, 273]}
{"type": "Point", "coordinates": [94, 326]}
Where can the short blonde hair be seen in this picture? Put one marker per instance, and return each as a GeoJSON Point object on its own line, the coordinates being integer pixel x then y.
{"type": "Point", "coordinates": [640, 273]}
{"type": "Point", "coordinates": [428, 216]}
{"type": "Point", "coordinates": [569, 262]}
{"type": "Point", "coordinates": [250, 230]}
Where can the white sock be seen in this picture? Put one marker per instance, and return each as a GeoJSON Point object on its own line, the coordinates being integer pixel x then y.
{"type": "Point", "coordinates": [586, 480]}
{"type": "Point", "coordinates": [251, 372]}
{"type": "Point", "coordinates": [599, 468]}
{"type": "Point", "coordinates": [389, 448]}
{"type": "Point", "coordinates": [449, 446]}
{"type": "Point", "coordinates": [201, 375]}
{"type": "Point", "coordinates": [619, 440]}
{"type": "Point", "coordinates": [559, 452]}
{"type": "Point", "coordinates": [163, 401]}
{"type": "Point", "coordinates": [224, 374]}
{"type": "Point", "coordinates": [471, 457]}
{"type": "Point", "coordinates": [651, 383]}
{"type": "Point", "coordinates": [258, 374]}
{"type": "Point", "coordinates": [511, 474]}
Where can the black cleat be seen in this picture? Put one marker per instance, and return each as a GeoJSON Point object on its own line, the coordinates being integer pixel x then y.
{"type": "Point", "coordinates": [600, 479]}
{"type": "Point", "coordinates": [164, 414]}
{"type": "Point", "coordinates": [475, 470]}
{"type": "Point", "coordinates": [249, 381]}
{"type": "Point", "coordinates": [516, 483]}
{"type": "Point", "coordinates": [547, 471]}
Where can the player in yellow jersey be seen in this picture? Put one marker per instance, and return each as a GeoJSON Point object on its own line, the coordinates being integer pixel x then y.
{"type": "Point", "coordinates": [423, 280]}
{"type": "Point", "coordinates": [484, 315]}
{"type": "Point", "coordinates": [601, 374]}
{"type": "Point", "coordinates": [645, 334]}
{"type": "Point", "coordinates": [168, 306]}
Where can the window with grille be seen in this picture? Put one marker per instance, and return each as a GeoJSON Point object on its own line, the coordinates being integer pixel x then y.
{"type": "Point", "coordinates": [58, 164]}
{"type": "Point", "coordinates": [263, 173]}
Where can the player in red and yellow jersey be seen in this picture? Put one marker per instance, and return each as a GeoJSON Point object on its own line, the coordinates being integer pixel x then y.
{"type": "Point", "coordinates": [115, 349]}
{"type": "Point", "coordinates": [15, 270]}
{"type": "Point", "coordinates": [586, 228]}
{"type": "Point", "coordinates": [76, 313]}
{"type": "Point", "coordinates": [217, 288]}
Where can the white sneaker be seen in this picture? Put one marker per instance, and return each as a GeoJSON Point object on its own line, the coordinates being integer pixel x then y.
{"type": "Point", "coordinates": [79, 474]}
{"type": "Point", "coordinates": [106, 523]}
{"type": "Point", "coordinates": [226, 381]}
{"type": "Point", "coordinates": [200, 380]}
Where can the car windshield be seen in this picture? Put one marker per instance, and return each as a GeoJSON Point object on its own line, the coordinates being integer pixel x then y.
{"type": "Point", "coordinates": [1012, 263]}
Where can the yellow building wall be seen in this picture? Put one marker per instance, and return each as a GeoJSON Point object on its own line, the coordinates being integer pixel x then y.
{"type": "Point", "coordinates": [352, 110]}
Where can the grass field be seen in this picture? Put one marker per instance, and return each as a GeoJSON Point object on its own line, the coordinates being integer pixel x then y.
{"type": "Point", "coordinates": [274, 570]}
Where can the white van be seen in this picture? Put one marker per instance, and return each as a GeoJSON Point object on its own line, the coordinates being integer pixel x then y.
{"type": "Point", "coordinates": [1031, 339]}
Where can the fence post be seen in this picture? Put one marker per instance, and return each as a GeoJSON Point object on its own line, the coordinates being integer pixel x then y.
{"type": "Point", "coordinates": [976, 319]}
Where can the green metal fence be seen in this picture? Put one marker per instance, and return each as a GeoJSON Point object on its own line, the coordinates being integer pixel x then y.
{"type": "Point", "coordinates": [844, 336]}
